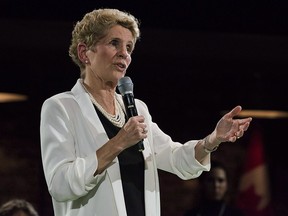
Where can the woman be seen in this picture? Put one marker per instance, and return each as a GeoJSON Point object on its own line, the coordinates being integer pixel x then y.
{"type": "Point", "coordinates": [214, 191]}
{"type": "Point", "coordinates": [91, 163]}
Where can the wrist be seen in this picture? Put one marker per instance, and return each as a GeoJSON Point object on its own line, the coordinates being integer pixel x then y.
{"type": "Point", "coordinates": [211, 143]}
{"type": "Point", "coordinates": [213, 139]}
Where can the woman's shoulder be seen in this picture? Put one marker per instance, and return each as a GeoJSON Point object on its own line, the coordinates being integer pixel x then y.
{"type": "Point", "coordinates": [60, 98]}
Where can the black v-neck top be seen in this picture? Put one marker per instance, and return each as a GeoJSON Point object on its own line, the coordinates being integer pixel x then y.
{"type": "Point", "coordinates": [132, 172]}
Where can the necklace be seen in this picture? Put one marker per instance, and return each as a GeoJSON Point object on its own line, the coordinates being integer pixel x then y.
{"type": "Point", "coordinates": [118, 119]}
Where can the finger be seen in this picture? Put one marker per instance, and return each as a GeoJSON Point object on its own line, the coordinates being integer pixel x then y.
{"type": "Point", "coordinates": [143, 126]}
{"type": "Point", "coordinates": [245, 120]}
{"type": "Point", "coordinates": [142, 129]}
{"type": "Point", "coordinates": [140, 118]}
{"type": "Point", "coordinates": [232, 139]}
{"type": "Point", "coordinates": [143, 133]}
{"type": "Point", "coordinates": [239, 134]}
{"type": "Point", "coordinates": [235, 111]}
{"type": "Point", "coordinates": [244, 125]}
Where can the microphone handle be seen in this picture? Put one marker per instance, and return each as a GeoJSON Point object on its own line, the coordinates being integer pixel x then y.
{"type": "Point", "coordinates": [140, 146]}
{"type": "Point", "coordinates": [131, 111]}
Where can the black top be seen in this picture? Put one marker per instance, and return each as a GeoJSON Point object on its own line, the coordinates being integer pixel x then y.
{"type": "Point", "coordinates": [214, 208]}
{"type": "Point", "coordinates": [132, 172]}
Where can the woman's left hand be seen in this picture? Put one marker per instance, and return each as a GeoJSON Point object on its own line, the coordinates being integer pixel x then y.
{"type": "Point", "coordinates": [229, 129]}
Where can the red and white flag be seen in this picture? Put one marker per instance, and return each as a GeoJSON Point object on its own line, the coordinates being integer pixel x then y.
{"type": "Point", "coordinates": [254, 192]}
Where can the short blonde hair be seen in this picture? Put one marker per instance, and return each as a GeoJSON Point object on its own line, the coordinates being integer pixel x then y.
{"type": "Point", "coordinates": [94, 26]}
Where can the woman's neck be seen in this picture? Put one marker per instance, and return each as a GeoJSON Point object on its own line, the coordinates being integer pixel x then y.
{"type": "Point", "coordinates": [104, 96]}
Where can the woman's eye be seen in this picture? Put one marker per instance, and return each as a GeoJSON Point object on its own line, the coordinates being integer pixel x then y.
{"type": "Point", "coordinates": [114, 43]}
{"type": "Point", "coordinates": [129, 48]}
{"type": "Point", "coordinates": [118, 45]}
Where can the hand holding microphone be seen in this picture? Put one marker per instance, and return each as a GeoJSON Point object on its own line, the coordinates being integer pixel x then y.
{"type": "Point", "coordinates": [125, 87]}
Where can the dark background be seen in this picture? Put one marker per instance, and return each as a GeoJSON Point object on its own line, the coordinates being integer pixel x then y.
{"type": "Point", "coordinates": [195, 60]}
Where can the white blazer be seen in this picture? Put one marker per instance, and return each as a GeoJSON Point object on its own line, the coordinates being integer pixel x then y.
{"type": "Point", "coordinates": [71, 132]}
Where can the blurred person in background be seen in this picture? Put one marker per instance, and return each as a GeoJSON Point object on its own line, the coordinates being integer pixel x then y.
{"type": "Point", "coordinates": [18, 207]}
{"type": "Point", "coordinates": [214, 194]}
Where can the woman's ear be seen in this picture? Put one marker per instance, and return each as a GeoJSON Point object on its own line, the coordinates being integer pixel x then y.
{"type": "Point", "coordinates": [81, 50]}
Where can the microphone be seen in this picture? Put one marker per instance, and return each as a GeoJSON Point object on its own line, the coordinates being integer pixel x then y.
{"type": "Point", "coordinates": [125, 87]}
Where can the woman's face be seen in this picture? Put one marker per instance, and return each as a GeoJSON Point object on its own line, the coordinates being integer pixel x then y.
{"type": "Point", "coordinates": [110, 58]}
{"type": "Point", "coordinates": [215, 184]}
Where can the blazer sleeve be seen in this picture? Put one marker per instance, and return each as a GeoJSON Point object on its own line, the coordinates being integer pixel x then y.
{"type": "Point", "coordinates": [68, 174]}
{"type": "Point", "coordinates": [174, 157]}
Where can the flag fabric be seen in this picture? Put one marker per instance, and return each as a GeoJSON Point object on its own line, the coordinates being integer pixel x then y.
{"type": "Point", "coordinates": [254, 192]}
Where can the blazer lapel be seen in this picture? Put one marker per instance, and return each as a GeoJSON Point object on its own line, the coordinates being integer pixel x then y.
{"type": "Point", "coordinates": [113, 171]}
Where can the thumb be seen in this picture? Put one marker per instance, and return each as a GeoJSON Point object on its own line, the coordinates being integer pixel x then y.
{"type": "Point", "coordinates": [235, 111]}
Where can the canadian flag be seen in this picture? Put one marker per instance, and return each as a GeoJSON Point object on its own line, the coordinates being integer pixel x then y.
{"type": "Point", "coordinates": [254, 191]}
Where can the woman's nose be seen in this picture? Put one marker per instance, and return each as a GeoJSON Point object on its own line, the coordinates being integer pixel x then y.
{"type": "Point", "coordinates": [123, 53]}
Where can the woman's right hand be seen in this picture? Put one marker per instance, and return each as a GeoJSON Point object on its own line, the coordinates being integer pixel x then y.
{"type": "Point", "coordinates": [133, 131]}
{"type": "Point", "coordinates": [130, 134]}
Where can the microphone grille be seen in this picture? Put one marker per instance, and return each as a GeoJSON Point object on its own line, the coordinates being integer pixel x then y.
{"type": "Point", "coordinates": [125, 85]}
